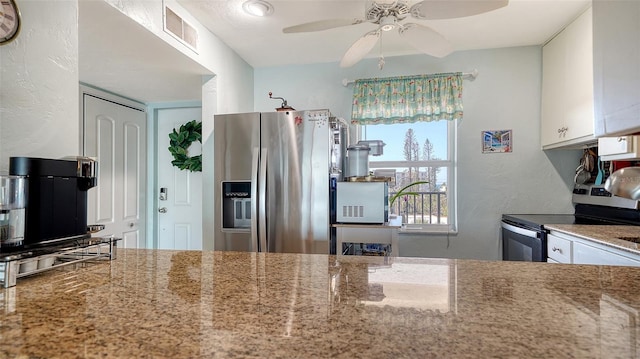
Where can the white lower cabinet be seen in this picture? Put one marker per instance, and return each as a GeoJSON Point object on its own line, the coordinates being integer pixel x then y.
{"type": "Point", "coordinates": [615, 318]}
{"type": "Point", "coordinates": [564, 248]}
{"type": "Point", "coordinates": [586, 254]}
{"type": "Point", "coordinates": [558, 249]}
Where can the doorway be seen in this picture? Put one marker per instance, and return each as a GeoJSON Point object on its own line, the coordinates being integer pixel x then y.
{"type": "Point", "coordinates": [179, 211]}
{"type": "Point", "coordinates": [115, 132]}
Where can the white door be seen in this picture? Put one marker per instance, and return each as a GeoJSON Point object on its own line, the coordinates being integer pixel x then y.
{"type": "Point", "coordinates": [115, 134]}
{"type": "Point", "coordinates": [180, 214]}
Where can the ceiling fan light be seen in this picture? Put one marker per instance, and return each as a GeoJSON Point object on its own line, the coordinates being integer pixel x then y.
{"type": "Point", "coordinates": [387, 27]}
{"type": "Point", "coordinates": [257, 7]}
{"type": "Point", "coordinates": [388, 23]}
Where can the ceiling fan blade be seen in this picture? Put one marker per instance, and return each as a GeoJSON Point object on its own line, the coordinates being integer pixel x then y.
{"type": "Point", "coordinates": [360, 48]}
{"type": "Point", "coordinates": [321, 25]}
{"type": "Point", "coordinates": [426, 40]}
{"type": "Point", "coordinates": [447, 9]}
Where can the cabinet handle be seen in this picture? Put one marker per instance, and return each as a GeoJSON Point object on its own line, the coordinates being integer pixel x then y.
{"type": "Point", "coordinates": [562, 132]}
{"type": "Point", "coordinates": [555, 249]}
{"type": "Point", "coordinates": [620, 139]}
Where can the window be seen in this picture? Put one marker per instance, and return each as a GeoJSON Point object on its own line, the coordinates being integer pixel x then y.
{"type": "Point", "coordinates": [419, 151]}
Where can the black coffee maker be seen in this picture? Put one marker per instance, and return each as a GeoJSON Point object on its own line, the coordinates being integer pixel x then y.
{"type": "Point", "coordinates": [56, 197]}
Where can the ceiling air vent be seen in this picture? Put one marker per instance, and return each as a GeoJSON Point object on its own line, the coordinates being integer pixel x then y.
{"type": "Point", "coordinates": [178, 27]}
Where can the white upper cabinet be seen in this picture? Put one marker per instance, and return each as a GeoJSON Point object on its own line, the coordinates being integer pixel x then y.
{"type": "Point", "coordinates": [619, 148]}
{"type": "Point", "coordinates": [616, 61]}
{"type": "Point", "coordinates": [567, 86]}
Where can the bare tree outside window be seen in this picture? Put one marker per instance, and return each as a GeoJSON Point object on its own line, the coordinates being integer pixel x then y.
{"type": "Point", "coordinates": [431, 173]}
{"type": "Point", "coordinates": [411, 151]}
{"type": "Point", "coordinates": [429, 204]}
{"type": "Point", "coordinates": [418, 152]}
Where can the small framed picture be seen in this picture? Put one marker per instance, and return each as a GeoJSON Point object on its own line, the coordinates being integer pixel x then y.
{"type": "Point", "coordinates": [497, 141]}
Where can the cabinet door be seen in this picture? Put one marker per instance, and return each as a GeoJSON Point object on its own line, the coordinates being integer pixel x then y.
{"type": "Point", "coordinates": [616, 48]}
{"type": "Point", "coordinates": [585, 254]}
{"type": "Point", "coordinates": [552, 120]}
{"type": "Point", "coordinates": [578, 98]}
{"type": "Point", "coordinates": [559, 249]}
{"type": "Point", "coordinates": [618, 148]}
{"type": "Point", "coordinates": [567, 85]}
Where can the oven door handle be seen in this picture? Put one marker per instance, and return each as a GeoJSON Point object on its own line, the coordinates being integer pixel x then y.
{"type": "Point", "coordinates": [522, 231]}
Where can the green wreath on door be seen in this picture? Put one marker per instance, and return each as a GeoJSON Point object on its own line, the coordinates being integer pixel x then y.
{"type": "Point", "coordinates": [180, 141]}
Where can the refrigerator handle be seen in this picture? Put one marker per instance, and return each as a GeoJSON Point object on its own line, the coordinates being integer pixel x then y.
{"type": "Point", "coordinates": [262, 206]}
{"type": "Point", "coordinates": [255, 158]}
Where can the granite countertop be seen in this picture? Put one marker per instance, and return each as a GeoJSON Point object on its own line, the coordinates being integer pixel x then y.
{"type": "Point", "coordinates": [192, 304]}
{"type": "Point", "coordinates": [607, 235]}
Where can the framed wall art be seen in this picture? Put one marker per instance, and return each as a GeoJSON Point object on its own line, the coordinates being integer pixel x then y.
{"type": "Point", "coordinates": [497, 141]}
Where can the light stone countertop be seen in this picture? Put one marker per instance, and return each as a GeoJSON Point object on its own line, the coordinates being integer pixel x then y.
{"type": "Point", "coordinates": [204, 304]}
{"type": "Point", "coordinates": [607, 235]}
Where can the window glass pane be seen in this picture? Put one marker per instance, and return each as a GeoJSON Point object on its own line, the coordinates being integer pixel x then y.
{"type": "Point", "coordinates": [428, 203]}
{"type": "Point", "coordinates": [410, 141]}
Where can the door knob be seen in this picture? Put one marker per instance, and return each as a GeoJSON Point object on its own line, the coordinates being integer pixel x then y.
{"type": "Point", "coordinates": [162, 209]}
{"type": "Point", "coordinates": [131, 225]}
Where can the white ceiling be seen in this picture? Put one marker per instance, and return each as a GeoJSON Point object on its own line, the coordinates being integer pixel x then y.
{"type": "Point", "coordinates": [261, 43]}
{"type": "Point", "coordinates": [119, 55]}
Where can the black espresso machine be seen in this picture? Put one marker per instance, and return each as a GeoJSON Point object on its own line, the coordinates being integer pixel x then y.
{"type": "Point", "coordinates": [55, 198]}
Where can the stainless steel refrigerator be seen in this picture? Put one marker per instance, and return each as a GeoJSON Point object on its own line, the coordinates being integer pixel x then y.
{"type": "Point", "coordinates": [272, 178]}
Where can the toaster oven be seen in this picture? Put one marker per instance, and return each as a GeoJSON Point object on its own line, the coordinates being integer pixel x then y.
{"type": "Point", "coordinates": [362, 202]}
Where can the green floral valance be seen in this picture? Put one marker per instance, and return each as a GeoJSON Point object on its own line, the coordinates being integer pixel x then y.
{"type": "Point", "coordinates": [407, 99]}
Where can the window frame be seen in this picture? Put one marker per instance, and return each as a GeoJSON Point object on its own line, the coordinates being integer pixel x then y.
{"type": "Point", "coordinates": [450, 163]}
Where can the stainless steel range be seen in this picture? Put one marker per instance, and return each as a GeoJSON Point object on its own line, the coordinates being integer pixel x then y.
{"type": "Point", "coordinates": [524, 237]}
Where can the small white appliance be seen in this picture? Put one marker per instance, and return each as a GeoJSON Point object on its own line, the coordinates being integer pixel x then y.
{"type": "Point", "coordinates": [362, 202]}
{"type": "Point", "coordinates": [376, 146]}
{"type": "Point", "coordinates": [358, 161]}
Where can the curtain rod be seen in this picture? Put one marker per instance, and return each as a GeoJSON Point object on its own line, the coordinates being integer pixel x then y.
{"type": "Point", "coordinates": [466, 75]}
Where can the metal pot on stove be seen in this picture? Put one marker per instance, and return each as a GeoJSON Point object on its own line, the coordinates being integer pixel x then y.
{"type": "Point", "coordinates": [625, 183]}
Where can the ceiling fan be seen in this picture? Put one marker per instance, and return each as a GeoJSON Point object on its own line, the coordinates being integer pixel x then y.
{"type": "Point", "coordinates": [389, 15]}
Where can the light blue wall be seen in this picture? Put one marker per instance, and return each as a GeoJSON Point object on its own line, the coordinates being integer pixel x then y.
{"type": "Point", "coordinates": [506, 95]}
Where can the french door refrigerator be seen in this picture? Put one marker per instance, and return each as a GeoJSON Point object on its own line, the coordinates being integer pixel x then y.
{"type": "Point", "coordinates": [272, 178]}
